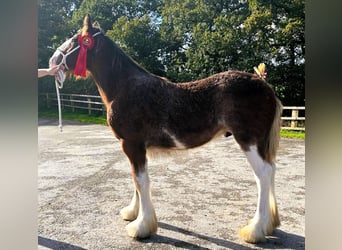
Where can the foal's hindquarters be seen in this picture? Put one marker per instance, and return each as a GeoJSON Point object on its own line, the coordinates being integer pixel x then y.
{"type": "Point", "coordinates": [260, 152]}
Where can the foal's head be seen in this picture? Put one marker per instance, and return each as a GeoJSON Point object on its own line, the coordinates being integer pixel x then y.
{"type": "Point", "coordinates": [73, 53]}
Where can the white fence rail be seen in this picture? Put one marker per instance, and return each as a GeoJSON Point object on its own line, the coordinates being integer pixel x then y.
{"type": "Point", "coordinates": [293, 117]}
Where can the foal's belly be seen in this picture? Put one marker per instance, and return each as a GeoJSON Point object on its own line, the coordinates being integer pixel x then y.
{"type": "Point", "coordinates": [177, 144]}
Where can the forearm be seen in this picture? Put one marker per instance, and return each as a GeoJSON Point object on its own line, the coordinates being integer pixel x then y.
{"type": "Point", "coordinates": [43, 72]}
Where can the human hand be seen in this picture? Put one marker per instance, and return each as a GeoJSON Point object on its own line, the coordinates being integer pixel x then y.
{"type": "Point", "coordinates": [53, 70]}
{"type": "Point", "coordinates": [50, 71]}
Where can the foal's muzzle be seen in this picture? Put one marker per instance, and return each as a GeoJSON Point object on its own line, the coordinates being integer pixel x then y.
{"type": "Point", "coordinates": [59, 57]}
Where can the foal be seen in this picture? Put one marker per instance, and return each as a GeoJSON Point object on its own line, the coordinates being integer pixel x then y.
{"type": "Point", "coordinates": [148, 113]}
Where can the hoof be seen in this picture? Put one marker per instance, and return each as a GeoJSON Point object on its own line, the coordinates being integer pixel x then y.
{"type": "Point", "coordinates": [252, 234]}
{"type": "Point", "coordinates": [127, 213]}
{"type": "Point", "coordinates": [250, 221]}
{"type": "Point", "coordinates": [141, 229]}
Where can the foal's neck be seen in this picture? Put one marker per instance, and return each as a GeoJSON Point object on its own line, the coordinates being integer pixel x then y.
{"type": "Point", "coordinates": [114, 71]}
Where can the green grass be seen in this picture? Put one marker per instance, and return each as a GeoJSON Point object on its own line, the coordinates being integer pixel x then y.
{"type": "Point", "coordinates": [292, 134]}
{"type": "Point", "coordinates": [86, 118]}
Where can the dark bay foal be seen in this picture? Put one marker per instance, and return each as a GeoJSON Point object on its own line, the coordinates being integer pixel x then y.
{"type": "Point", "coordinates": [150, 114]}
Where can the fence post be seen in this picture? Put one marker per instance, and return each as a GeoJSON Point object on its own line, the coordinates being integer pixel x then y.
{"type": "Point", "coordinates": [89, 106]}
{"type": "Point", "coordinates": [103, 109]}
{"type": "Point", "coordinates": [294, 115]}
{"type": "Point", "coordinates": [72, 104]}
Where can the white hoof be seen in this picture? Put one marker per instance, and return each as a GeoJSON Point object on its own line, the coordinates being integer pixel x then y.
{"type": "Point", "coordinates": [129, 213]}
{"type": "Point", "coordinates": [252, 233]}
{"type": "Point", "coordinates": [142, 228]}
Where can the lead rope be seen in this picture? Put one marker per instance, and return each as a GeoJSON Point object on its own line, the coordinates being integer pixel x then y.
{"type": "Point", "coordinates": [59, 80]}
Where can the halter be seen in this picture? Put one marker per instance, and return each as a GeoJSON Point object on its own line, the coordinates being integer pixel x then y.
{"type": "Point", "coordinates": [64, 56]}
{"type": "Point", "coordinates": [59, 79]}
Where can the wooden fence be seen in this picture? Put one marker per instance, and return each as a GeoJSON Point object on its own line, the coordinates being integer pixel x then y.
{"type": "Point", "coordinates": [91, 103]}
{"type": "Point", "coordinates": [293, 118]}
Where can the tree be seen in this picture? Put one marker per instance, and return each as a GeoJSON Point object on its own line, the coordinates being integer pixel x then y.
{"type": "Point", "coordinates": [140, 38]}
{"type": "Point", "coordinates": [191, 39]}
{"type": "Point", "coordinates": [284, 46]}
{"type": "Point", "coordinates": [53, 25]}
{"type": "Point", "coordinates": [204, 37]}
{"type": "Point", "coordinates": [107, 12]}
{"type": "Point", "coordinates": [53, 28]}
{"type": "Point", "coordinates": [134, 25]}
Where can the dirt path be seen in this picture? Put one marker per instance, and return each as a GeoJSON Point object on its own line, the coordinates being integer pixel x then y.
{"type": "Point", "coordinates": [201, 198]}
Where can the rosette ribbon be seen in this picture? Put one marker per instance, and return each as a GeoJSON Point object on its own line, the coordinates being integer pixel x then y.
{"type": "Point", "coordinates": [86, 42]}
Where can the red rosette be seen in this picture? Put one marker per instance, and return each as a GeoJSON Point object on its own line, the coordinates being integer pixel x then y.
{"type": "Point", "coordinates": [86, 42]}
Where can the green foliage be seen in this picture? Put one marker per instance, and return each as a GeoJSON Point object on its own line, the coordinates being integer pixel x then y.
{"type": "Point", "coordinates": [292, 134]}
{"type": "Point", "coordinates": [189, 39]}
{"type": "Point", "coordinates": [107, 12]}
{"type": "Point", "coordinates": [140, 38]}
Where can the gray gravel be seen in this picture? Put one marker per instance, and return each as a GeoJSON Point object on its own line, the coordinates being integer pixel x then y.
{"type": "Point", "coordinates": [202, 198]}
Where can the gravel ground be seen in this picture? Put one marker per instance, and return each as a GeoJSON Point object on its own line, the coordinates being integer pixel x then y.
{"type": "Point", "coordinates": [201, 197]}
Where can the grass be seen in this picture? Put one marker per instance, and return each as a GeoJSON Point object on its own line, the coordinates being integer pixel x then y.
{"type": "Point", "coordinates": [86, 118]}
{"type": "Point", "coordinates": [292, 134]}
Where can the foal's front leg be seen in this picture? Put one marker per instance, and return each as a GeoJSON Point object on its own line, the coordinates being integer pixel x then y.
{"type": "Point", "coordinates": [141, 209]}
{"type": "Point", "coordinates": [130, 212]}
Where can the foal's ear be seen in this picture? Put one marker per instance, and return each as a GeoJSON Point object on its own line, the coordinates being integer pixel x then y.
{"type": "Point", "coordinates": [96, 25]}
{"type": "Point", "coordinates": [86, 24]}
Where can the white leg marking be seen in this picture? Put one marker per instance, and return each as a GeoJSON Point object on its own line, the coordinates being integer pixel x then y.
{"type": "Point", "coordinates": [130, 212]}
{"type": "Point", "coordinates": [273, 201]}
{"type": "Point", "coordinates": [261, 224]}
{"type": "Point", "coordinates": [178, 144]}
{"type": "Point", "coordinates": [146, 222]}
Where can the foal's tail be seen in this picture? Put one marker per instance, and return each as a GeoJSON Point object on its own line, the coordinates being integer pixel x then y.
{"type": "Point", "coordinates": [272, 141]}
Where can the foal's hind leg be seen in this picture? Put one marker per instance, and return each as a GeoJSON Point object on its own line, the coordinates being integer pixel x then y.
{"type": "Point", "coordinates": [141, 209]}
{"type": "Point", "coordinates": [266, 215]}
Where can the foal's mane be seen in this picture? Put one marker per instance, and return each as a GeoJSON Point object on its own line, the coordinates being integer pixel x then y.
{"type": "Point", "coordinates": [118, 58]}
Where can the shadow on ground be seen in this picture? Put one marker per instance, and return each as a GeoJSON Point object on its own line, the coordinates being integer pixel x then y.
{"type": "Point", "coordinates": [57, 245]}
{"type": "Point", "coordinates": [280, 240]}
{"type": "Point", "coordinates": [292, 241]}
